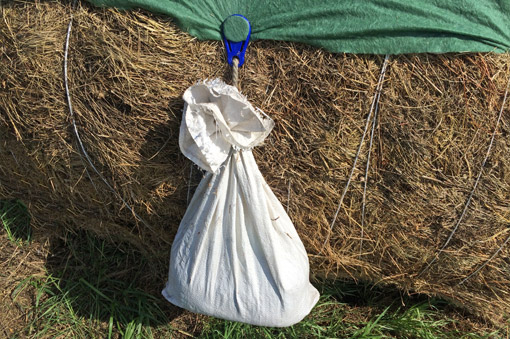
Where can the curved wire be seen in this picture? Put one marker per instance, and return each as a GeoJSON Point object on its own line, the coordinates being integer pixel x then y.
{"type": "Point", "coordinates": [468, 201]}
{"type": "Point", "coordinates": [75, 128]}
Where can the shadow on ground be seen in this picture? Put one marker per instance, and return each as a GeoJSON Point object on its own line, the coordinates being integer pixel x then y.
{"type": "Point", "coordinates": [114, 287]}
{"type": "Point", "coordinates": [88, 282]}
{"type": "Point", "coordinates": [109, 281]}
{"type": "Point", "coordinates": [15, 219]}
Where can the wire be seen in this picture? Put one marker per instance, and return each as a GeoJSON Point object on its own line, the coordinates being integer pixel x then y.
{"type": "Point", "coordinates": [456, 227]}
{"type": "Point", "coordinates": [372, 107]}
{"type": "Point", "coordinates": [367, 168]}
{"type": "Point", "coordinates": [75, 128]}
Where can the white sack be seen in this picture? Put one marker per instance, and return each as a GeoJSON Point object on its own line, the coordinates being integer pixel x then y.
{"type": "Point", "coordinates": [236, 255]}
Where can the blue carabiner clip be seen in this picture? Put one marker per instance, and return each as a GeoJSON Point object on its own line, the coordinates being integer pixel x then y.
{"type": "Point", "coordinates": [238, 42]}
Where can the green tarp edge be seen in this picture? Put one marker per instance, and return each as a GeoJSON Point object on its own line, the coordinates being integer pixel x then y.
{"type": "Point", "coordinates": [356, 26]}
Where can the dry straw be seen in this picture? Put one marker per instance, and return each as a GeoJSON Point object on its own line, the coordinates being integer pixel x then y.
{"type": "Point", "coordinates": [127, 73]}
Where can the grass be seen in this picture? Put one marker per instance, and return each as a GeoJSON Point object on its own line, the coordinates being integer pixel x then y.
{"type": "Point", "coordinates": [332, 318]}
{"type": "Point", "coordinates": [93, 288]}
{"type": "Point", "coordinates": [58, 313]}
{"type": "Point", "coordinates": [15, 218]}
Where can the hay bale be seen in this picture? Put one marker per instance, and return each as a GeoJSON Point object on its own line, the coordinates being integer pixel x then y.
{"type": "Point", "coordinates": [127, 74]}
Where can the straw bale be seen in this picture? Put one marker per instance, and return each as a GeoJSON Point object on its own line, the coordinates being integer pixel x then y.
{"type": "Point", "coordinates": [127, 75]}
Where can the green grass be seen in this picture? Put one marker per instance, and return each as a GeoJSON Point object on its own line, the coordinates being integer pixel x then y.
{"type": "Point", "coordinates": [92, 289]}
{"type": "Point", "coordinates": [97, 289]}
{"type": "Point", "coordinates": [15, 220]}
{"type": "Point", "coordinates": [332, 318]}
{"type": "Point", "coordinates": [57, 311]}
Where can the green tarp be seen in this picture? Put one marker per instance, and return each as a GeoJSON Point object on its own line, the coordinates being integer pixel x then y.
{"type": "Point", "coordinates": [356, 26]}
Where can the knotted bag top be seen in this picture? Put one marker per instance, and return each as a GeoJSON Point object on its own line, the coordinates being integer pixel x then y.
{"type": "Point", "coordinates": [217, 118]}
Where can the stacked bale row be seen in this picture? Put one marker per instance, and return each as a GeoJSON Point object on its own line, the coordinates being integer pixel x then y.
{"type": "Point", "coordinates": [127, 73]}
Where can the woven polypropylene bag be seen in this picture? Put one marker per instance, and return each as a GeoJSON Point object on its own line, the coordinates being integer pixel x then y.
{"type": "Point", "coordinates": [236, 255]}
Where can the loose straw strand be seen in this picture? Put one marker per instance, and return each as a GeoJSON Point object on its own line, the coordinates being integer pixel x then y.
{"type": "Point", "coordinates": [288, 196]}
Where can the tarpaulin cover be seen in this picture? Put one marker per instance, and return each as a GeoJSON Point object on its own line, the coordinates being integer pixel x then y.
{"type": "Point", "coordinates": [356, 26]}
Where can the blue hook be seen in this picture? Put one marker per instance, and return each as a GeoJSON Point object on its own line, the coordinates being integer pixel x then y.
{"type": "Point", "coordinates": [238, 33]}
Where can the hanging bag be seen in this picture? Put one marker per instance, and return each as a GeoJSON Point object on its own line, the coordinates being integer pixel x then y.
{"type": "Point", "coordinates": [236, 255]}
